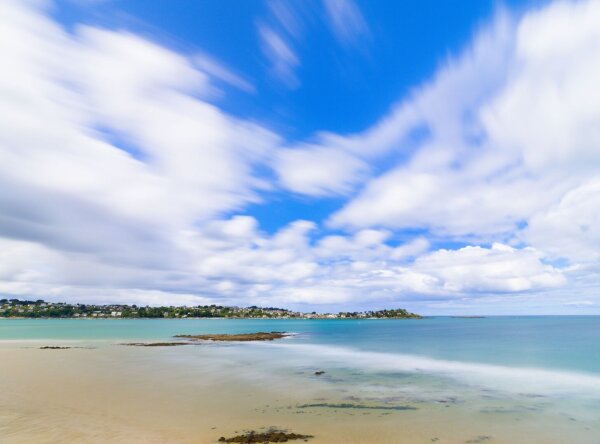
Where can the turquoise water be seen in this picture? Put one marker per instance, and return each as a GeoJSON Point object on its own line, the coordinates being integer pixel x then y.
{"type": "Point", "coordinates": [512, 376]}
{"type": "Point", "coordinates": [569, 343]}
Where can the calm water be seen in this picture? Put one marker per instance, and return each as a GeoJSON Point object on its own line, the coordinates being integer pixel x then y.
{"type": "Point", "coordinates": [552, 342]}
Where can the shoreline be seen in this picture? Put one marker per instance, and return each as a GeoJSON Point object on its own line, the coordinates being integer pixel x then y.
{"type": "Point", "coordinates": [135, 395]}
{"type": "Point", "coordinates": [352, 382]}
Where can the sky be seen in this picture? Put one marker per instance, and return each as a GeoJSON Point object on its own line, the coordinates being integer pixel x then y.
{"type": "Point", "coordinates": [316, 155]}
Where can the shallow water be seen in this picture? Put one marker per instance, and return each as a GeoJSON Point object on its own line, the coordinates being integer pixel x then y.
{"type": "Point", "coordinates": [446, 380]}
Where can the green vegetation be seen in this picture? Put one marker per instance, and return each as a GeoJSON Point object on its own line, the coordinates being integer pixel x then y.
{"type": "Point", "coordinates": [381, 314]}
{"type": "Point", "coordinates": [42, 309]}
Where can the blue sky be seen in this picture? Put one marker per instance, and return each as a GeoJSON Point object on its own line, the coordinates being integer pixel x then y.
{"type": "Point", "coordinates": [320, 155]}
{"type": "Point", "coordinates": [342, 88]}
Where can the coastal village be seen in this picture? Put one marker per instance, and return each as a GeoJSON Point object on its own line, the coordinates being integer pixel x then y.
{"type": "Point", "coordinates": [15, 308]}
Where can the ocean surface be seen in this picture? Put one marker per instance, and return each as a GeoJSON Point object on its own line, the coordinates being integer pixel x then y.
{"type": "Point", "coordinates": [492, 379]}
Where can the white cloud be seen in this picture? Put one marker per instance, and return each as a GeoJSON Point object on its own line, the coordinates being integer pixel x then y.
{"type": "Point", "coordinates": [116, 169]}
{"type": "Point", "coordinates": [66, 184]}
{"type": "Point", "coordinates": [290, 268]}
{"type": "Point", "coordinates": [498, 269]}
{"type": "Point", "coordinates": [319, 171]}
{"type": "Point", "coordinates": [512, 128]}
{"type": "Point", "coordinates": [511, 141]}
{"type": "Point", "coordinates": [134, 88]}
{"type": "Point", "coordinates": [441, 107]}
{"type": "Point", "coordinates": [570, 229]}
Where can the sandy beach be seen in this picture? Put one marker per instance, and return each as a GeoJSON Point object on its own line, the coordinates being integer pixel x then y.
{"type": "Point", "coordinates": [119, 394]}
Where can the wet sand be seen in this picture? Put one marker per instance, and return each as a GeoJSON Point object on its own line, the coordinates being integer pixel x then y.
{"type": "Point", "coordinates": [196, 394]}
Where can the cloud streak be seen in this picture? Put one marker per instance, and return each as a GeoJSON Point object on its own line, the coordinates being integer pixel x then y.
{"type": "Point", "coordinates": [346, 21]}
{"type": "Point", "coordinates": [283, 60]}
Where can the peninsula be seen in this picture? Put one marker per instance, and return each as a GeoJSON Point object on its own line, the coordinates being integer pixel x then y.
{"type": "Point", "coordinates": [15, 308]}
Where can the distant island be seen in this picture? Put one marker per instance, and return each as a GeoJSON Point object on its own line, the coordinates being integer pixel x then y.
{"type": "Point", "coordinates": [15, 308]}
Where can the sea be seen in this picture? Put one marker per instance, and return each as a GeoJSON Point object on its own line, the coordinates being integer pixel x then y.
{"type": "Point", "coordinates": [509, 379]}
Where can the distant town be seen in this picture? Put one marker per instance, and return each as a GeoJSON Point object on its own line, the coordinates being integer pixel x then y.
{"type": "Point", "coordinates": [15, 308]}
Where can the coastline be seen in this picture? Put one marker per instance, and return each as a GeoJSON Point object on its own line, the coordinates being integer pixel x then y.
{"type": "Point", "coordinates": [341, 382]}
{"type": "Point", "coordinates": [42, 309]}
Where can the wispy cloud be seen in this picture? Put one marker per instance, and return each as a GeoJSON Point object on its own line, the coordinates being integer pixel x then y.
{"type": "Point", "coordinates": [282, 32]}
{"type": "Point", "coordinates": [282, 58]}
{"type": "Point", "coordinates": [219, 71]}
{"type": "Point", "coordinates": [289, 16]}
{"type": "Point", "coordinates": [346, 21]}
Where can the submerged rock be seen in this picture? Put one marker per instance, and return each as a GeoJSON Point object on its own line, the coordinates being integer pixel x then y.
{"type": "Point", "coordinates": [54, 347]}
{"type": "Point", "coordinates": [273, 435]}
{"type": "Point", "coordinates": [320, 372]}
{"type": "Point", "coordinates": [259, 336]}
{"type": "Point", "coordinates": [479, 439]}
{"type": "Point", "coordinates": [357, 406]}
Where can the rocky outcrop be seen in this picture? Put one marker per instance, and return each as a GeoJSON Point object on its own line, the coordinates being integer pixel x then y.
{"type": "Point", "coordinates": [259, 336]}
{"type": "Point", "coordinates": [273, 435]}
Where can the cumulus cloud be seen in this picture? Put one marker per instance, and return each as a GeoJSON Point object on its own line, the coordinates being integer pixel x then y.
{"type": "Point", "coordinates": [498, 269]}
{"type": "Point", "coordinates": [570, 229]}
{"type": "Point", "coordinates": [290, 267]}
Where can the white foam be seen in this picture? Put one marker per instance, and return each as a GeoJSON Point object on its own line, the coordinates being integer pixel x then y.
{"type": "Point", "coordinates": [513, 379]}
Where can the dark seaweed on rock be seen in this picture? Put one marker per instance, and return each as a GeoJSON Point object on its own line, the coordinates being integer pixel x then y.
{"type": "Point", "coordinates": [273, 435]}
{"type": "Point", "coordinates": [259, 336]}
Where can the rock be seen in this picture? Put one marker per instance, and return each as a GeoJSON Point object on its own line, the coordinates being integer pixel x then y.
{"type": "Point", "coordinates": [259, 336]}
{"type": "Point", "coordinates": [320, 372]}
{"type": "Point", "coordinates": [54, 347]}
{"type": "Point", "coordinates": [272, 435]}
